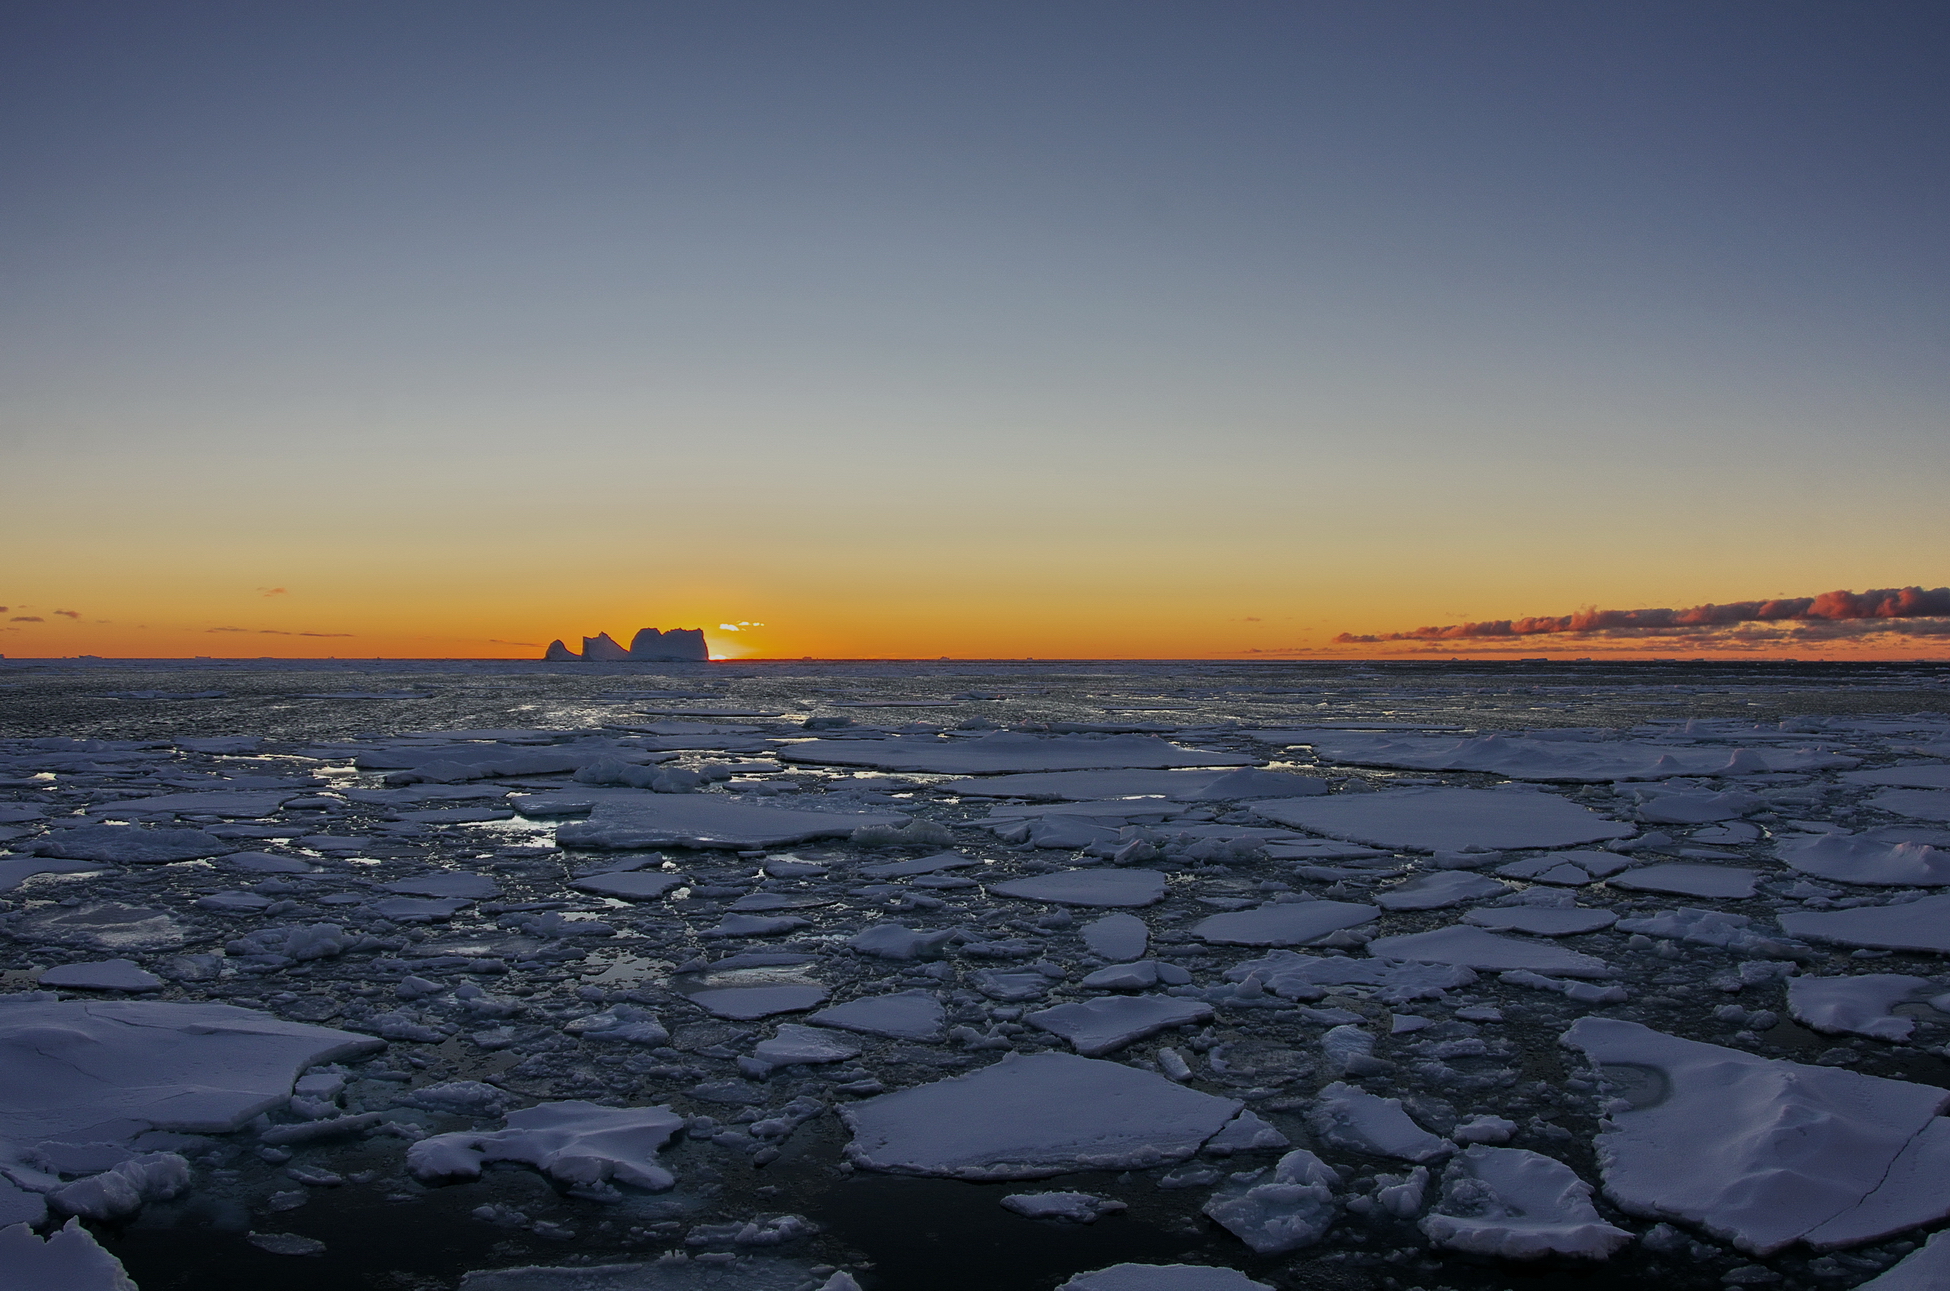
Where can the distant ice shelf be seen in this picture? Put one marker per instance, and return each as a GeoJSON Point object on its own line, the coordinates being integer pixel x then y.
{"type": "Point", "coordinates": [678, 645]}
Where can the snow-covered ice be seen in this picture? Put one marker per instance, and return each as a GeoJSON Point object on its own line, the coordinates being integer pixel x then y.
{"type": "Point", "coordinates": [1167, 1277]}
{"type": "Point", "coordinates": [1443, 819]}
{"type": "Point", "coordinates": [1519, 1205]}
{"type": "Point", "coordinates": [1914, 925]}
{"type": "Point", "coordinates": [1762, 1152]}
{"type": "Point", "coordinates": [1860, 1005]}
{"type": "Point", "coordinates": [1352, 1118]}
{"type": "Point", "coordinates": [1004, 752]}
{"type": "Point", "coordinates": [701, 820]}
{"type": "Point", "coordinates": [1856, 858]}
{"type": "Point", "coordinates": [1074, 1207]}
{"type": "Point", "coordinates": [1100, 1026]}
{"type": "Point", "coordinates": [1293, 1208]}
{"type": "Point", "coordinates": [102, 975]}
{"type": "Point", "coordinates": [910, 1015]}
{"type": "Point", "coordinates": [1484, 951]}
{"type": "Point", "coordinates": [101, 1066]}
{"type": "Point", "coordinates": [1123, 887]}
{"type": "Point", "coordinates": [578, 1144]}
{"type": "Point", "coordinates": [1029, 1117]}
{"type": "Point", "coordinates": [1292, 923]}
{"type": "Point", "coordinates": [67, 1259]}
{"type": "Point", "coordinates": [1686, 879]}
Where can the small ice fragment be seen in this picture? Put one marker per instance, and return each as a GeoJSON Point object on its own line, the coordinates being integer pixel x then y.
{"type": "Point", "coordinates": [1116, 937]}
{"type": "Point", "coordinates": [1076, 1207]}
{"type": "Point", "coordinates": [1351, 1118]}
{"type": "Point", "coordinates": [102, 975]}
{"type": "Point", "coordinates": [1164, 1277]}
{"type": "Point", "coordinates": [1294, 1208]}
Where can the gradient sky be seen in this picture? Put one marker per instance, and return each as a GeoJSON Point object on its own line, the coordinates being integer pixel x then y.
{"type": "Point", "coordinates": [1055, 329]}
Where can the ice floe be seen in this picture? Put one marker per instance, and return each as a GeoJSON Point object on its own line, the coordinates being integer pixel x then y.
{"type": "Point", "coordinates": [1912, 925]}
{"type": "Point", "coordinates": [1439, 890]}
{"type": "Point", "coordinates": [1476, 948]}
{"type": "Point", "coordinates": [1523, 758]}
{"type": "Point", "coordinates": [1100, 1026]}
{"type": "Point", "coordinates": [1075, 1207]}
{"type": "Point", "coordinates": [1684, 879]}
{"type": "Point", "coordinates": [1290, 923]}
{"type": "Point", "coordinates": [1519, 1205]}
{"type": "Point", "coordinates": [1763, 1152]}
{"type": "Point", "coordinates": [1352, 1118]}
{"type": "Point", "coordinates": [93, 1066]}
{"type": "Point", "coordinates": [1004, 752]}
{"type": "Point", "coordinates": [130, 844]}
{"type": "Point", "coordinates": [1444, 819]}
{"type": "Point", "coordinates": [1293, 1208]}
{"type": "Point", "coordinates": [1029, 1117]}
{"type": "Point", "coordinates": [1856, 858]}
{"type": "Point", "coordinates": [579, 1145]}
{"type": "Point", "coordinates": [1860, 1005]}
{"type": "Point", "coordinates": [102, 975]}
{"type": "Point", "coordinates": [1121, 887]}
{"type": "Point", "coordinates": [707, 820]}
{"type": "Point", "coordinates": [68, 1259]}
{"type": "Point", "coordinates": [1166, 1277]}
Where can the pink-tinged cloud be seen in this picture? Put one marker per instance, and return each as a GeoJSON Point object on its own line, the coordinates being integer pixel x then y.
{"type": "Point", "coordinates": [26, 618]}
{"type": "Point", "coordinates": [69, 614]}
{"type": "Point", "coordinates": [1879, 610]}
{"type": "Point", "coordinates": [273, 591]}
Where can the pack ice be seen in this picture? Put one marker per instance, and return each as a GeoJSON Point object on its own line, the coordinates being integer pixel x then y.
{"type": "Point", "coordinates": [1763, 1152]}
{"type": "Point", "coordinates": [1575, 761]}
{"type": "Point", "coordinates": [1007, 751]}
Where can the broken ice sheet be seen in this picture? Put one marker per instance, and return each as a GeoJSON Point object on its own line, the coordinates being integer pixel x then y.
{"type": "Point", "coordinates": [1284, 923]}
{"type": "Point", "coordinates": [1519, 1205]}
{"type": "Point", "coordinates": [910, 1015]}
{"type": "Point", "coordinates": [1120, 887]}
{"type": "Point", "coordinates": [179, 1066]}
{"type": "Point", "coordinates": [1292, 1209]}
{"type": "Point", "coordinates": [1007, 751]}
{"type": "Point", "coordinates": [1912, 925]}
{"type": "Point", "coordinates": [1853, 858]}
{"type": "Point", "coordinates": [1764, 1152]}
{"type": "Point", "coordinates": [1100, 1026]}
{"type": "Point", "coordinates": [1475, 948]}
{"type": "Point", "coordinates": [578, 1144]}
{"type": "Point", "coordinates": [1524, 758]}
{"type": "Point", "coordinates": [1028, 1117]}
{"type": "Point", "coordinates": [1074, 1207]}
{"type": "Point", "coordinates": [1439, 890]}
{"type": "Point", "coordinates": [1860, 1005]}
{"type": "Point", "coordinates": [706, 820]}
{"type": "Point", "coordinates": [1683, 879]}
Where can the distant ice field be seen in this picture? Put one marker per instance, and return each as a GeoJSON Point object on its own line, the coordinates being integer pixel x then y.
{"type": "Point", "coordinates": [829, 975]}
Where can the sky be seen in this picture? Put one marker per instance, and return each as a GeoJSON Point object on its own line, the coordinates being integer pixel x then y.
{"type": "Point", "coordinates": [1053, 329]}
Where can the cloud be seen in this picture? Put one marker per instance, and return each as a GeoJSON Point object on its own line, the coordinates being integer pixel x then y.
{"type": "Point", "coordinates": [69, 614]}
{"type": "Point", "coordinates": [26, 618]}
{"type": "Point", "coordinates": [1883, 608]}
{"type": "Point", "coordinates": [273, 591]}
{"type": "Point", "coordinates": [727, 627]}
{"type": "Point", "coordinates": [226, 629]}
{"type": "Point", "coordinates": [533, 645]}
{"type": "Point", "coordinates": [278, 632]}
{"type": "Point", "coordinates": [324, 634]}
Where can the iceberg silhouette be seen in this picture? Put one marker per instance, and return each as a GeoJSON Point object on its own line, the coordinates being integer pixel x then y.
{"type": "Point", "coordinates": [678, 645]}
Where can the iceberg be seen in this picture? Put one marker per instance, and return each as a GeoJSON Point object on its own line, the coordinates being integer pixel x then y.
{"type": "Point", "coordinates": [677, 645]}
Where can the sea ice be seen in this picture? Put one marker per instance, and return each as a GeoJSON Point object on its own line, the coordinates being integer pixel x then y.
{"type": "Point", "coordinates": [1294, 1208]}
{"type": "Point", "coordinates": [1029, 1117]}
{"type": "Point", "coordinates": [100, 1064]}
{"type": "Point", "coordinates": [18, 869]}
{"type": "Point", "coordinates": [1569, 869]}
{"type": "Point", "coordinates": [578, 1144]}
{"type": "Point", "coordinates": [911, 1015]}
{"type": "Point", "coordinates": [1854, 858]}
{"type": "Point", "coordinates": [1076, 1207]}
{"type": "Point", "coordinates": [1925, 1269]}
{"type": "Point", "coordinates": [1921, 775]}
{"type": "Point", "coordinates": [630, 885]}
{"type": "Point", "coordinates": [671, 1273]}
{"type": "Point", "coordinates": [1439, 890]}
{"type": "Point", "coordinates": [1541, 921]}
{"type": "Point", "coordinates": [706, 820]}
{"type": "Point", "coordinates": [1445, 819]}
{"type": "Point", "coordinates": [1523, 758]}
{"type": "Point", "coordinates": [919, 865]}
{"type": "Point", "coordinates": [1100, 1026]}
{"type": "Point", "coordinates": [1362, 1122]}
{"type": "Point", "coordinates": [1518, 1205]}
{"type": "Point", "coordinates": [130, 844]}
{"type": "Point", "coordinates": [1164, 1277]}
{"type": "Point", "coordinates": [1295, 976]}
{"type": "Point", "coordinates": [1487, 952]}
{"type": "Point", "coordinates": [471, 887]}
{"type": "Point", "coordinates": [1116, 937]}
{"type": "Point", "coordinates": [68, 1260]}
{"type": "Point", "coordinates": [1006, 751]}
{"type": "Point", "coordinates": [1918, 804]}
{"type": "Point", "coordinates": [1688, 880]}
{"type": "Point", "coordinates": [1761, 1152]}
{"type": "Point", "coordinates": [1293, 923]}
{"type": "Point", "coordinates": [745, 1003]}
{"type": "Point", "coordinates": [1913, 925]}
{"type": "Point", "coordinates": [1857, 1005]}
{"type": "Point", "coordinates": [1182, 786]}
{"type": "Point", "coordinates": [208, 803]}
{"type": "Point", "coordinates": [102, 975]}
{"type": "Point", "coordinates": [793, 1045]}
{"type": "Point", "coordinates": [1120, 887]}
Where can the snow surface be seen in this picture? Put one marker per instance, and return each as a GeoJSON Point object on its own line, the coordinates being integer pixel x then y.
{"type": "Point", "coordinates": [1029, 1117]}
{"type": "Point", "coordinates": [68, 1259]}
{"type": "Point", "coordinates": [1097, 1027]}
{"type": "Point", "coordinates": [1858, 1005]}
{"type": "Point", "coordinates": [1483, 951]}
{"type": "Point", "coordinates": [1914, 925]}
{"type": "Point", "coordinates": [1353, 1118]}
{"type": "Point", "coordinates": [1088, 887]}
{"type": "Point", "coordinates": [1283, 923]}
{"type": "Point", "coordinates": [1292, 1209]}
{"type": "Point", "coordinates": [578, 1144]}
{"type": "Point", "coordinates": [1443, 820]}
{"type": "Point", "coordinates": [102, 975]}
{"type": "Point", "coordinates": [1854, 858]}
{"type": "Point", "coordinates": [910, 1015]}
{"type": "Point", "coordinates": [1683, 879]}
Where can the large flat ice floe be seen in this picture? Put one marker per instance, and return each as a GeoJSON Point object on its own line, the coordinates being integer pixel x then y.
{"type": "Point", "coordinates": [1913, 925]}
{"type": "Point", "coordinates": [114, 1068]}
{"type": "Point", "coordinates": [1485, 951]}
{"type": "Point", "coordinates": [1163, 1277]}
{"type": "Point", "coordinates": [1519, 1205]}
{"type": "Point", "coordinates": [1763, 1152]}
{"type": "Point", "coordinates": [745, 1273]}
{"type": "Point", "coordinates": [1032, 1117]}
{"type": "Point", "coordinates": [707, 820]}
{"type": "Point", "coordinates": [1182, 786]}
{"type": "Point", "coordinates": [1573, 761]}
{"type": "Point", "coordinates": [1854, 858]}
{"type": "Point", "coordinates": [1447, 820]}
{"type": "Point", "coordinates": [131, 845]}
{"type": "Point", "coordinates": [1101, 1026]}
{"type": "Point", "coordinates": [1293, 923]}
{"type": "Point", "coordinates": [1007, 751]}
{"type": "Point", "coordinates": [1860, 1005]}
{"type": "Point", "coordinates": [1134, 887]}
